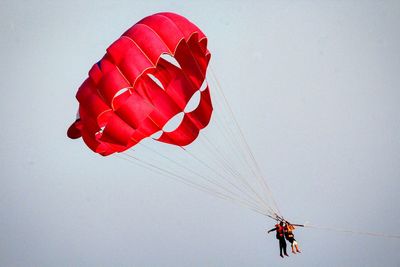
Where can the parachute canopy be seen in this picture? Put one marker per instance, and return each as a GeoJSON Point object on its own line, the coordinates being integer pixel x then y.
{"type": "Point", "coordinates": [147, 77]}
{"type": "Point", "coordinates": [155, 74]}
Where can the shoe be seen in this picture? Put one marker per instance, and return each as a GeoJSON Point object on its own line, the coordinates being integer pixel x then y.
{"type": "Point", "coordinates": [281, 255]}
{"type": "Point", "coordinates": [286, 255]}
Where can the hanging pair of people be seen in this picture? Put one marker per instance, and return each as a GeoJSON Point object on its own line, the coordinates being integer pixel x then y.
{"type": "Point", "coordinates": [284, 231]}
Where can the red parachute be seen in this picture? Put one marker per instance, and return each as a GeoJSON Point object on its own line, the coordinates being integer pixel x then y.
{"type": "Point", "coordinates": [135, 89]}
{"type": "Point", "coordinates": [155, 74]}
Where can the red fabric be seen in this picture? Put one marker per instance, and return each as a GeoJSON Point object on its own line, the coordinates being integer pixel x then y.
{"type": "Point", "coordinates": [110, 83]}
{"type": "Point", "coordinates": [134, 110]}
{"type": "Point", "coordinates": [117, 131]}
{"type": "Point", "coordinates": [74, 131]}
{"type": "Point", "coordinates": [119, 104]}
{"type": "Point", "coordinates": [186, 133]}
{"type": "Point", "coordinates": [202, 114]}
{"type": "Point", "coordinates": [192, 123]}
{"type": "Point", "coordinates": [130, 59]}
{"type": "Point", "coordinates": [176, 84]}
{"type": "Point", "coordinates": [149, 42]}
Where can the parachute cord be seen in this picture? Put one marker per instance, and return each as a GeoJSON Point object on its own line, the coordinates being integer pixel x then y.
{"type": "Point", "coordinates": [186, 181]}
{"type": "Point", "coordinates": [256, 172]}
{"type": "Point", "coordinates": [196, 173]}
{"type": "Point", "coordinates": [235, 173]}
{"type": "Point", "coordinates": [243, 149]}
{"type": "Point", "coordinates": [234, 147]}
{"type": "Point", "coordinates": [189, 183]}
{"type": "Point", "coordinates": [273, 218]}
{"type": "Point", "coordinates": [262, 180]}
{"type": "Point", "coordinates": [211, 148]}
{"type": "Point", "coordinates": [375, 234]}
{"type": "Point", "coordinates": [215, 172]}
{"type": "Point", "coordinates": [228, 133]}
{"type": "Point", "coordinates": [230, 171]}
{"type": "Point", "coordinates": [243, 139]}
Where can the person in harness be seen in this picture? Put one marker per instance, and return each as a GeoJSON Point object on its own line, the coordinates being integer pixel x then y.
{"type": "Point", "coordinates": [290, 237]}
{"type": "Point", "coordinates": [280, 235]}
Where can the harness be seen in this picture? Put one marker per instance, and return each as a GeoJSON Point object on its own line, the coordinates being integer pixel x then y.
{"type": "Point", "coordinates": [279, 231]}
{"type": "Point", "coordinates": [289, 231]}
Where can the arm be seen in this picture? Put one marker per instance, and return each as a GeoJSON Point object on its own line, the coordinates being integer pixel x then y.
{"type": "Point", "coordinates": [273, 229]}
{"type": "Point", "coordinates": [294, 224]}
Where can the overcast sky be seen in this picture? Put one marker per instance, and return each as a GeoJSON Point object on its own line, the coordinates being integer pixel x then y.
{"type": "Point", "coordinates": [314, 85]}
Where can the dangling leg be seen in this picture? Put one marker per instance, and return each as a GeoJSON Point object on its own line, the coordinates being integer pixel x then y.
{"type": "Point", "coordinates": [296, 246]}
{"type": "Point", "coordinates": [292, 246]}
{"type": "Point", "coordinates": [284, 247]}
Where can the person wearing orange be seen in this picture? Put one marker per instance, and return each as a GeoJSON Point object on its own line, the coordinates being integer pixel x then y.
{"type": "Point", "coordinates": [290, 237]}
{"type": "Point", "coordinates": [280, 235]}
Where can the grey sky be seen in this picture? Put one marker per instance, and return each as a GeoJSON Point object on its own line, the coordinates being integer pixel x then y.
{"type": "Point", "coordinates": [314, 85]}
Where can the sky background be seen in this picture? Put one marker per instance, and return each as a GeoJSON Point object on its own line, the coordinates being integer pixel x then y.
{"type": "Point", "coordinates": [313, 84]}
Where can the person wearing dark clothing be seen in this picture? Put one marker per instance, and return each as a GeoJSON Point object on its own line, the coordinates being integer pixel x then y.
{"type": "Point", "coordinates": [280, 235]}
